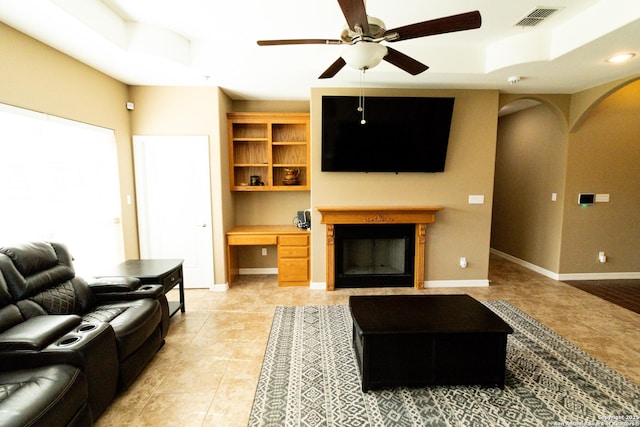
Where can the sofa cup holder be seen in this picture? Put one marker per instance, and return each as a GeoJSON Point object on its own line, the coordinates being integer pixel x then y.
{"type": "Point", "coordinates": [146, 288]}
{"type": "Point", "coordinates": [86, 327]}
{"type": "Point", "coordinates": [68, 341]}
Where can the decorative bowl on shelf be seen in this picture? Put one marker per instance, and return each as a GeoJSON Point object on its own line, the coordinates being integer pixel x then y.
{"type": "Point", "coordinates": [291, 176]}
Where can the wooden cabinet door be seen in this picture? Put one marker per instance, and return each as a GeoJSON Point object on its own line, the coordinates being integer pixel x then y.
{"type": "Point", "coordinates": [293, 270]}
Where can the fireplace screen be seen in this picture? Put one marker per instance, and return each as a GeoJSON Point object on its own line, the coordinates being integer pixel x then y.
{"type": "Point", "coordinates": [374, 255]}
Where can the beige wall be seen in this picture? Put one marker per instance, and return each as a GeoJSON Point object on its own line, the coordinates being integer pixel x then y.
{"type": "Point", "coordinates": [530, 166]}
{"type": "Point", "coordinates": [192, 111]}
{"type": "Point", "coordinates": [460, 229]}
{"type": "Point", "coordinates": [537, 155]}
{"type": "Point", "coordinates": [603, 157]}
{"type": "Point", "coordinates": [39, 78]}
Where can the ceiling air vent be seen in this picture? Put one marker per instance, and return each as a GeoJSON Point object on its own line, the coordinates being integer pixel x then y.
{"type": "Point", "coordinates": [536, 16]}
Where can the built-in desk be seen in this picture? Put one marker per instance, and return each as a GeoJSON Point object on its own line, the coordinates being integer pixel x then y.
{"type": "Point", "coordinates": [292, 246]}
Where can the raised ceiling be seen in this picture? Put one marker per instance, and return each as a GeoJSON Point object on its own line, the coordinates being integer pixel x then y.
{"type": "Point", "coordinates": [213, 42]}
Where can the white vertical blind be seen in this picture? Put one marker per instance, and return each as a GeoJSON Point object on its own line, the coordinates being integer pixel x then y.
{"type": "Point", "coordinates": [59, 182]}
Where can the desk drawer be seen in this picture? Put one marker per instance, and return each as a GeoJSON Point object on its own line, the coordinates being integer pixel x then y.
{"type": "Point", "coordinates": [293, 240]}
{"type": "Point", "coordinates": [254, 239]}
{"type": "Point", "coordinates": [293, 251]}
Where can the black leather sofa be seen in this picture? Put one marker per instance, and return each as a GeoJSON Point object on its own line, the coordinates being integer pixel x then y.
{"type": "Point", "coordinates": [54, 395]}
{"type": "Point", "coordinates": [95, 336]}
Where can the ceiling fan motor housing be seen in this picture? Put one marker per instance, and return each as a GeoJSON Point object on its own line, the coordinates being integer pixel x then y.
{"type": "Point", "coordinates": [377, 29]}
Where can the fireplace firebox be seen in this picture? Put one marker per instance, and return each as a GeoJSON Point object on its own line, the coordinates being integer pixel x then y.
{"type": "Point", "coordinates": [380, 255]}
{"type": "Point", "coordinates": [418, 217]}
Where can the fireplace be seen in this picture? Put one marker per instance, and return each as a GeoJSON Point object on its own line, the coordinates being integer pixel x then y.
{"type": "Point", "coordinates": [415, 219]}
{"type": "Point", "coordinates": [374, 255]}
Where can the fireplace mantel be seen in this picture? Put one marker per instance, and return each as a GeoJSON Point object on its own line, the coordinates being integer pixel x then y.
{"type": "Point", "coordinates": [418, 215]}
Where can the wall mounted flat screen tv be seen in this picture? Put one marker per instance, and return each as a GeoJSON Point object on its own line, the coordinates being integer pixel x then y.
{"type": "Point", "coordinates": [401, 134]}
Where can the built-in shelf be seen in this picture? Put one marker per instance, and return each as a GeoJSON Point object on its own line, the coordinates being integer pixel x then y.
{"type": "Point", "coordinates": [265, 145]}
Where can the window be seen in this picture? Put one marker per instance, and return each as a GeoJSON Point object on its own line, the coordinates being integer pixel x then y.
{"type": "Point", "coordinates": [59, 182]}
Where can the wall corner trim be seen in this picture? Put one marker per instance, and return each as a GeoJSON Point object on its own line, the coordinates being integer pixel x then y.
{"type": "Point", "coordinates": [220, 287]}
{"type": "Point", "coordinates": [548, 273]}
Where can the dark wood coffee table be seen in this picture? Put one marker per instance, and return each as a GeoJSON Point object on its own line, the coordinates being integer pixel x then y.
{"type": "Point", "coordinates": [416, 340]}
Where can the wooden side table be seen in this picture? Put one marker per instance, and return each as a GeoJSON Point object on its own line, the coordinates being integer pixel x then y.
{"type": "Point", "coordinates": [167, 272]}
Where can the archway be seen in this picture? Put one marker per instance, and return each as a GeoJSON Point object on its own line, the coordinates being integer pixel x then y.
{"type": "Point", "coordinates": [529, 181]}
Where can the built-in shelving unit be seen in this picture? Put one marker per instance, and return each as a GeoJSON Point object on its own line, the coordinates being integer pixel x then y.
{"type": "Point", "coordinates": [267, 146]}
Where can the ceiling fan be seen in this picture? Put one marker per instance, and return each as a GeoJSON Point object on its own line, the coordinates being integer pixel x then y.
{"type": "Point", "coordinates": [363, 34]}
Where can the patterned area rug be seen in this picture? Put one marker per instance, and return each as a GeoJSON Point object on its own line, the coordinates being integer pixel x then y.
{"type": "Point", "coordinates": [310, 378]}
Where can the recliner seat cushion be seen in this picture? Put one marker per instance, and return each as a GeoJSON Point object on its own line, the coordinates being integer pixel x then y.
{"type": "Point", "coordinates": [132, 321]}
{"type": "Point", "coordinates": [50, 395]}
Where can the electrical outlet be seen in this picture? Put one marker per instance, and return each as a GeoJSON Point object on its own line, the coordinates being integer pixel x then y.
{"type": "Point", "coordinates": [264, 251]}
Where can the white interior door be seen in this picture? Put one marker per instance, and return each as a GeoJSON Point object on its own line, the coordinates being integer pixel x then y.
{"type": "Point", "coordinates": [174, 203]}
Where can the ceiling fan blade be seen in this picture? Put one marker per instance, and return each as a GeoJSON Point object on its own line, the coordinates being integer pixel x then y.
{"type": "Point", "coordinates": [333, 69]}
{"type": "Point", "coordinates": [355, 13]}
{"type": "Point", "coordinates": [449, 24]}
{"type": "Point", "coordinates": [298, 41]}
{"type": "Point", "coordinates": [405, 62]}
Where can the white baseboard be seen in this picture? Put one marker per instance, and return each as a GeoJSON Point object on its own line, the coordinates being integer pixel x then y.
{"type": "Point", "coordinates": [322, 286]}
{"type": "Point", "coordinates": [456, 283]}
{"type": "Point", "coordinates": [548, 273]}
{"type": "Point", "coordinates": [600, 276]}
{"type": "Point", "coordinates": [567, 276]}
{"type": "Point", "coordinates": [318, 286]}
{"type": "Point", "coordinates": [221, 287]}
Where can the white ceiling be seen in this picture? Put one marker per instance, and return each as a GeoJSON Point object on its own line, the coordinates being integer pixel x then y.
{"type": "Point", "coordinates": [213, 42]}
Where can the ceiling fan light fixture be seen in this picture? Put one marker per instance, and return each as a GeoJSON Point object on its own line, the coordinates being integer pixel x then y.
{"type": "Point", "coordinates": [364, 55]}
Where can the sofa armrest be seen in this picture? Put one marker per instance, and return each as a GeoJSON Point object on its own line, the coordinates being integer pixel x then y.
{"type": "Point", "coordinates": [144, 291]}
{"type": "Point", "coordinates": [38, 332]}
{"type": "Point", "coordinates": [101, 285]}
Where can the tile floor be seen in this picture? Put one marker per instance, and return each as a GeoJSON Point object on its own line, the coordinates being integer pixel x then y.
{"type": "Point", "coordinates": [206, 373]}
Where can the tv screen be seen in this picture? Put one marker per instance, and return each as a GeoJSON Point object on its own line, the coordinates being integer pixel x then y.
{"type": "Point", "coordinates": [401, 134]}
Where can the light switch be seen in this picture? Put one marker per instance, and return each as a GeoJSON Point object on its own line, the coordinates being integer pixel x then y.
{"type": "Point", "coordinates": [476, 199]}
